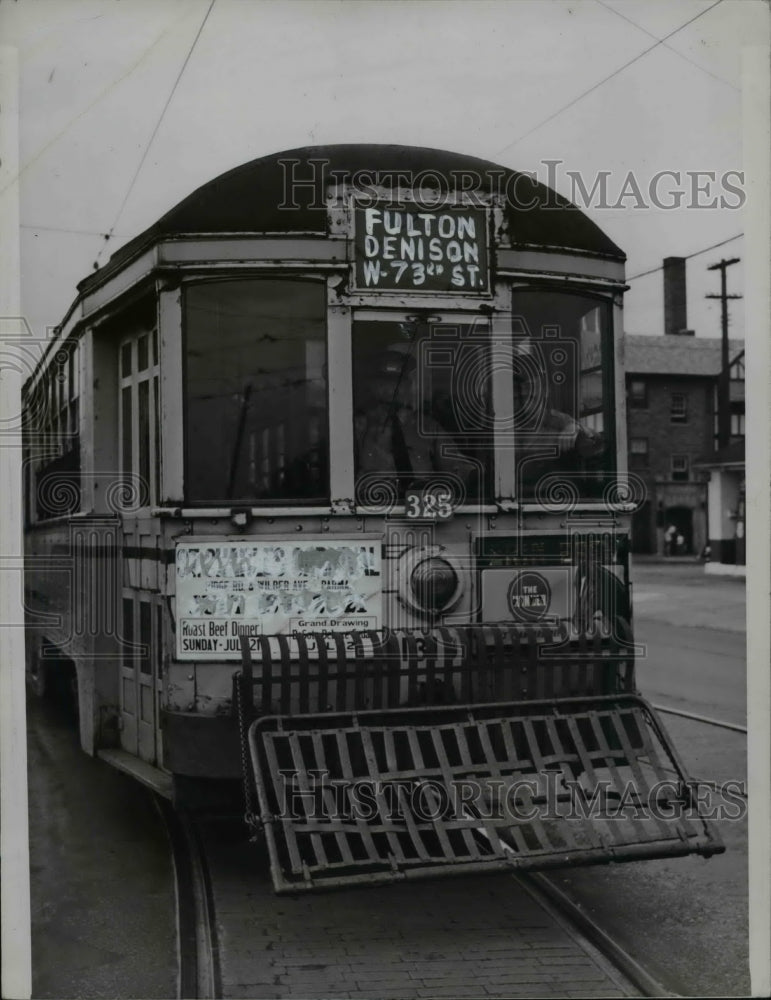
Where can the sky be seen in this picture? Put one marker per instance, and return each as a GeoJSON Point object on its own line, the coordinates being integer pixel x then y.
{"type": "Point", "coordinates": [129, 105]}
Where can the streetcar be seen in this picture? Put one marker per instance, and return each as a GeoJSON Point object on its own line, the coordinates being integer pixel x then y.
{"type": "Point", "coordinates": [327, 509]}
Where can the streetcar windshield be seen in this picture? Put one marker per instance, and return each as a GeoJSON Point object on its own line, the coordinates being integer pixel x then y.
{"type": "Point", "coordinates": [423, 402]}
{"type": "Point", "coordinates": [429, 404]}
{"type": "Point", "coordinates": [422, 408]}
{"type": "Point", "coordinates": [256, 391]}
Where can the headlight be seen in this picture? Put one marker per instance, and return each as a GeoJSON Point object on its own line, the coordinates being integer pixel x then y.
{"type": "Point", "coordinates": [434, 584]}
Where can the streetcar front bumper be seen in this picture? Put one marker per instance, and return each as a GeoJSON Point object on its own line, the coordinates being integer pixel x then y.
{"type": "Point", "coordinates": [298, 674]}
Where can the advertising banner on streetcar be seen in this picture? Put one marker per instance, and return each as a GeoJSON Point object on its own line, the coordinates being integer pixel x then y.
{"type": "Point", "coordinates": [227, 588]}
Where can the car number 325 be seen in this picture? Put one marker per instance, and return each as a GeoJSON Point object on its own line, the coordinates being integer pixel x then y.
{"type": "Point", "coordinates": [430, 505]}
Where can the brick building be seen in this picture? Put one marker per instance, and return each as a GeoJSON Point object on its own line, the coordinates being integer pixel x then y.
{"type": "Point", "coordinates": [724, 469]}
{"type": "Point", "coordinates": [671, 382]}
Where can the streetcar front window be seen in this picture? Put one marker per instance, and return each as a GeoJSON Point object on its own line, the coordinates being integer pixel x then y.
{"type": "Point", "coordinates": [422, 408]}
{"type": "Point", "coordinates": [563, 394]}
{"type": "Point", "coordinates": [256, 391]}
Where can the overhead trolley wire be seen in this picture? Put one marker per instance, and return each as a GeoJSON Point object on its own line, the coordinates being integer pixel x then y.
{"type": "Point", "coordinates": [682, 55]}
{"type": "Point", "coordinates": [605, 80]}
{"type": "Point", "coordinates": [107, 90]}
{"type": "Point", "coordinates": [688, 256]}
{"type": "Point", "coordinates": [155, 130]}
{"type": "Point", "coordinates": [61, 229]}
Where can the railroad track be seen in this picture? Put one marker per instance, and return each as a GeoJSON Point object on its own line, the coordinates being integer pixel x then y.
{"type": "Point", "coordinates": [206, 963]}
{"type": "Point", "coordinates": [708, 721]}
{"type": "Point", "coordinates": [617, 879]}
{"type": "Point", "coordinates": [197, 951]}
{"type": "Point", "coordinates": [721, 723]}
{"type": "Point", "coordinates": [207, 971]}
{"type": "Point", "coordinates": [503, 924]}
{"type": "Point", "coordinates": [565, 908]}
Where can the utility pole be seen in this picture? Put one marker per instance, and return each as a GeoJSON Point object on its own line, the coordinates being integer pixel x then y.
{"type": "Point", "coordinates": [724, 383]}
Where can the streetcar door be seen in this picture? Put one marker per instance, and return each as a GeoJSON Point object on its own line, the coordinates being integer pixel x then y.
{"type": "Point", "coordinates": [139, 682]}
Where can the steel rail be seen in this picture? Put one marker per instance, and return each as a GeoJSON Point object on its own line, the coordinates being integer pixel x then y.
{"type": "Point", "coordinates": [629, 976]}
{"type": "Point", "coordinates": [732, 726]}
{"type": "Point", "coordinates": [574, 920]}
{"type": "Point", "coordinates": [198, 975]}
{"type": "Point", "coordinates": [199, 978]}
{"type": "Point", "coordinates": [701, 718]}
{"type": "Point", "coordinates": [573, 917]}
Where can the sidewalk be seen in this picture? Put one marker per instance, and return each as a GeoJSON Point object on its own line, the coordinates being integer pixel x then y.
{"type": "Point", "coordinates": [656, 557]}
{"type": "Point", "coordinates": [708, 568]}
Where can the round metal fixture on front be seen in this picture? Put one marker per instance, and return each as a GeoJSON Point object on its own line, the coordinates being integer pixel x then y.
{"type": "Point", "coordinates": [430, 581]}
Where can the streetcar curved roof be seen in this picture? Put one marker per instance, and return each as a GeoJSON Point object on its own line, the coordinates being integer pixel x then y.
{"type": "Point", "coordinates": [252, 198]}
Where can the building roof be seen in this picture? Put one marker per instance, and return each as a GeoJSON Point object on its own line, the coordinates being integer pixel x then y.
{"type": "Point", "coordinates": [670, 354]}
{"type": "Point", "coordinates": [253, 198]}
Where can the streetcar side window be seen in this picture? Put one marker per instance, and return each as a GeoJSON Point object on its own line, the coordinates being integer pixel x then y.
{"type": "Point", "coordinates": [52, 437]}
{"type": "Point", "coordinates": [256, 391]}
{"type": "Point", "coordinates": [139, 418]}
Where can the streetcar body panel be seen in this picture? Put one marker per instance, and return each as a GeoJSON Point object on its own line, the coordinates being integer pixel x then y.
{"type": "Point", "coordinates": [316, 423]}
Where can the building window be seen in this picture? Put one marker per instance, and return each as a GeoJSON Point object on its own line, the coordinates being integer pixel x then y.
{"type": "Point", "coordinates": [678, 408]}
{"type": "Point", "coordinates": [737, 424]}
{"type": "Point", "coordinates": [638, 452]}
{"type": "Point", "coordinates": [680, 469]}
{"type": "Point", "coordinates": [638, 394]}
{"type": "Point", "coordinates": [139, 417]}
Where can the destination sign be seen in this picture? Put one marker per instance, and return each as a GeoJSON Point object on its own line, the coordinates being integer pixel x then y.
{"type": "Point", "coordinates": [410, 249]}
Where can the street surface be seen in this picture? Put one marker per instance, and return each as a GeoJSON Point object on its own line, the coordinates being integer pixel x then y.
{"type": "Point", "coordinates": [475, 936]}
{"type": "Point", "coordinates": [685, 920]}
{"type": "Point", "coordinates": [103, 922]}
{"type": "Point", "coordinates": [693, 627]}
{"type": "Point", "coordinates": [103, 896]}
{"type": "Point", "coordinates": [103, 911]}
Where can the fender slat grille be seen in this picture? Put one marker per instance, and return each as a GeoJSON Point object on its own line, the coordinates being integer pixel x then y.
{"type": "Point", "coordinates": [370, 670]}
{"type": "Point", "coordinates": [377, 796]}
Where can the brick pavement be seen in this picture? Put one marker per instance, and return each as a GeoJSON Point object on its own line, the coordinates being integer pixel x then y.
{"type": "Point", "coordinates": [456, 937]}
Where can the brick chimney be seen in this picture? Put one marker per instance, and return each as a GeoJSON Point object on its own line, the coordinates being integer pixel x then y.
{"type": "Point", "coordinates": [675, 309]}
